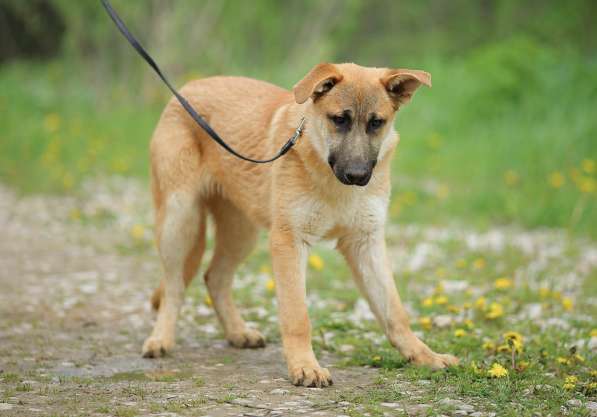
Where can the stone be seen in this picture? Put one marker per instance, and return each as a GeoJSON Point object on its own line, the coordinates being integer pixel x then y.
{"type": "Point", "coordinates": [574, 402]}
{"type": "Point", "coordinates": [279, 391]}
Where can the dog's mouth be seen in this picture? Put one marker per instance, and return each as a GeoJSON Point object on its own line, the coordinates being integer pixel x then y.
{"type": "Point", "coordinates": [354, 173]}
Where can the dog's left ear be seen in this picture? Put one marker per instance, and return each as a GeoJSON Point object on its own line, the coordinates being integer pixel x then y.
{"type": "Point", "coordinates": [321, 79]}
{"type": "Point", "coordinates": [401, 84]}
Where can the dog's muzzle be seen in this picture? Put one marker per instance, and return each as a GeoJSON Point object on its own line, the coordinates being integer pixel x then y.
{"type": "Point", "coordinates": [352, 173]}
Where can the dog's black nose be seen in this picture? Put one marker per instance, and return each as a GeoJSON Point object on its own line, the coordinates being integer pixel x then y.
{"type": "Point", "coordinates": [358, 175]}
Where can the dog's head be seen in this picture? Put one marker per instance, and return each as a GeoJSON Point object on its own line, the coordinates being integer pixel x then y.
{"type": "Point", "coordinates": [351, 114]}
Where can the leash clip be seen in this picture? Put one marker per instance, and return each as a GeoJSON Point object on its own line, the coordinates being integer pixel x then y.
{"type": "Point", "coordinates": [298, 132]}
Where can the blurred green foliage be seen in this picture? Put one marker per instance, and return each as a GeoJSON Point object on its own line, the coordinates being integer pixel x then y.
{"type": "Point", "coordinates": [506, 135]}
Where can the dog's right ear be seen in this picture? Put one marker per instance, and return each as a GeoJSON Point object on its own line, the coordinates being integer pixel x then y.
{"type": "Point", "coordinates": [316, 83]}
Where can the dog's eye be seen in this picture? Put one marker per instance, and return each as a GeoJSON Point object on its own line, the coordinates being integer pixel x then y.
{"type": "Point", "coordinates": [375, 124]}
{"type": "Point", "coordinates": [340, 121]}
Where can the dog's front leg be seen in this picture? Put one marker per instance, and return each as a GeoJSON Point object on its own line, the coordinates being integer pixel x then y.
{"type": "Point", "coordinates": [366, 255]}
{"type": "Point", "coordinates": [289, 255]}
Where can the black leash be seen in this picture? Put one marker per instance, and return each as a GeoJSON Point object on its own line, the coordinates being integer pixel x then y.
{"type": "Point", "coordinates": [200, 121]}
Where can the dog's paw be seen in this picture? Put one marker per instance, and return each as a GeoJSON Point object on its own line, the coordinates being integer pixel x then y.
{"type": "Point", "coordinates": [429, 358]}
{"type": "Point", "coordinates": [155, 347]}
{"type": "Point", "coordinates": [310, 376]}
{"type": "Point", "coordinates": [248, 338]}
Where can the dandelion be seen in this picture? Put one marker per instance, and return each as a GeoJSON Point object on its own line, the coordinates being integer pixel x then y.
{"type": "Point", "coordinates": [469, 324]}
{"type": "Point", "coordinates": [503, 349]}
{"type": "Point", "coordinates": [587, 185]}
{"type": "Point", "coordinates": [461, 263]}
{"type": "Point", "coordinates": [453, 309]}
{"type": "Point", "coordinates": [425, 323]}
{"type": "Point", "coordinates": [495, 311]}
{"type": "Point", "coordinates": [503, 283]}
{"type": "Point", "coordinates": [376, 358]}
{"type": "Point", "coordinates": [439, 288]}
{"type": "Point", "coordinates": [513, 336]}
{"type": "Point", "coordinates": [579, 358]}
{"type": "Point", "coordinates": [562, 360]}
{"type": "Point", "coordinates": [316, 262]}
{"type": "Point", "coordinates": [544, 292]}
{"type": "Point", "coordinates": [427, 302]}
{"type": "Point", "coordinates": [594, 333]}
{"type": "Point", "coordinates": [488, 345]}
{"type": "Point", "coordinates": [208, 301]}
{"type": "Point", "coordinates": [556, 179]}
{"type": "Point", "coordinates": [270, 285]}
{"type": "Point", "coordinates": [460, 333]}
{"type": "Point", "coordinates": [52, 122]}
{"type": "Point", "coordinates": [570, 382]}
{"type": "Point", "coordinates": [479, 263]}
{"type": "Point", "coordinates": [497, 371]}
{"type": "Point", "coordinates": [467, 306]}
{"type": "Point", "coordinates": [441, 300]}
{"type": "Point", "coordinates": [137, 232]}
{"type": "Point", "coordinates": [480, 303]}
{"type": "Point", "coordinates": [567, 303]}
{"type": "Point", "coordinates": [511, 178]}
{"type": "Point", "coordinates": [265, 269]}
{"type": "Point", "coordinates": [588, 165]}
{"type": "Point", "coordinates": [475, 368]}
{"type": "Point", "coordinates": [522, 365]}
{"type": "Point", "coordinates": [442, 192]}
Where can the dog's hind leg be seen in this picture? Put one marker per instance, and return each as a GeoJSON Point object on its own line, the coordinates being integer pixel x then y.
{"type": "Point", "coordinates": [177, 227]}
{"type": "Point", "coordinates": [192, 261]}
{"type": "Point", "coordinates": [235, 238]}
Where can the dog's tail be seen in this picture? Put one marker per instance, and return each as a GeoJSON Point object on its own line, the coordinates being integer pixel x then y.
{"type": "Point", "coordinates": [191, 264]}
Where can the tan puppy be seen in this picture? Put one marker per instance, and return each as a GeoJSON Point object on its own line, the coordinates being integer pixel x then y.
{"type": "Point", "coordinates": [334, 184]}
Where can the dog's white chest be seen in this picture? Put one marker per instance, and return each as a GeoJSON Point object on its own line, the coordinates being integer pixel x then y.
{"type": "Point", "coordinates": [314, 219]}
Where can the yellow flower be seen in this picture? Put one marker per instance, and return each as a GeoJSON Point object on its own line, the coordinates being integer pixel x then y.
{"type": "Point", "coordinates": [495, 311]}
{"type": "Point", "coordinates": [513, 336]}
{"type": "Point", "coordinates": [567, 303]}
{"type": "Point", "coordinates": [594, 333]}
{"type": "Point", "coordinates": [475, 368]}
{"type": "Point", "coordinates": [587, 185]}
{"type": "Point", "coordinates": [137, 232]}
{"type": "Point", "coordinates": [316, 262]}
{"type": "Point", "coordinates": [441, 300]}
{"type": "Point", "coordinates": [511, 178]}
{"type": "Point", "coordinates": [265, 269]}
{"type": "Point", "coordinates": [570, 382]}
{"type": "Point", "coordinates": [270, 284]}
{"type": "Point", "coordinates": [75, 214]}
{"type": "Point", "coordinates": [425, 323]}
{"type": "Point", "coordinates": [544, 292]}
{"type": "Point", "coordinates": [480, 303]}
{"type": "Point", "coordinates": [461, 263]}
{"type": "Point", "coordinates": [427, 302]}
{"type": "Point", "coordinates": [469, 324]}
{"type": "Point", "coordinates": [440, 272]}
{"type": "Point", "coordinates": [503, 283]}
{"type": "Point", "coordinates": [556, 179]}
{"type": "Point", "coordinates": [497, 371]}
{"type": "Point", "coordinates": [376, 358]}
{"type": "Point", "coordinates": [460, 333]}
{"type": "Point", "coordinates": [453, 309]}
{"type": "Point", "coordinates": [579, 358]}
{"type": "Point", "coordinates": [522, 365]}
{"type": "Point", "coordinates": [593, 373]}
{"type": "Point", "coordinates": [439, 288]}
{"type": "Point", "coordinates": [467, 305]}
{"type": "Point", "coordinates": [563, 361]}
{"type": "Point", "coordinates": [208, 300]}
{"type": "Point", "coordinates": [52, 122]}
{"type": "Point", "coordinates": [588, 165]}
{"type": "Point", "coordinates": [504, 349]}
{"type": "Point", "coordinates": [488, 345]}
{"type": "Point", "coordinates": [514, 339]}
{"type": "Point", "coordinates": [479, 263]}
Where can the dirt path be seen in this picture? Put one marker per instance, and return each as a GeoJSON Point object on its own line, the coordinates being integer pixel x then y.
{"type": "Point", "coordinates": [73, 315]}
